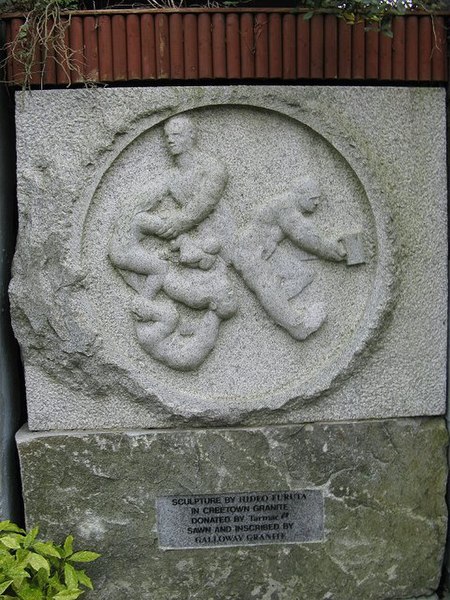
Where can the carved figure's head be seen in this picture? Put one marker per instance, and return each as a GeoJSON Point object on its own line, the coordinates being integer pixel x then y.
{"type": "Point", "coordinates": [307, 194]}
{"type": "Point", "coordinates": [180, 134]}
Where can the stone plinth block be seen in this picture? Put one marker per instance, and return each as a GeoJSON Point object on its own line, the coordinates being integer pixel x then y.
{"type": "Point", "coordinates": [323, 511]}
{"type": "Point", "coordinates": [230, 255]}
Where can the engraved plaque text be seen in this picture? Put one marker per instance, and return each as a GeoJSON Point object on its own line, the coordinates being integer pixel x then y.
{"type": "Point", "coordinates": [240, 519]}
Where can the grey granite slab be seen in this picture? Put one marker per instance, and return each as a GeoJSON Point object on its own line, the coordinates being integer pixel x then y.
{"type": "Point", "coordinates": [230, 255]}
{"type": "Point", "coordinates": [383, 486]}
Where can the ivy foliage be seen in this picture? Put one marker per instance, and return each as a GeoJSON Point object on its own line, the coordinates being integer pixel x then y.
{"type": "Point", "coordinates": [377, 14]}
{"type": "Point", "coordinates": [31, 569]}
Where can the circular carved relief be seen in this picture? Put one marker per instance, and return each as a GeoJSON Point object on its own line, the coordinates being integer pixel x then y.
{"type": "Point", "coordinates": [236, 260]}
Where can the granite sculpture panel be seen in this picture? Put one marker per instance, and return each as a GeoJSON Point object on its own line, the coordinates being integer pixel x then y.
{"type": "Point", "coordinates": [230, 255]}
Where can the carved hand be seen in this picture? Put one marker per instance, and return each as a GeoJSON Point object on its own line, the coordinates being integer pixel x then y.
{"type": "Point", "coordinates": [172, 227]}
{"type": "Point", "coordinates": [168, 232]}
{"type": "Point", "coordinates": [340, 250]}
{"type": "Point", "coordinates": [145, 223]}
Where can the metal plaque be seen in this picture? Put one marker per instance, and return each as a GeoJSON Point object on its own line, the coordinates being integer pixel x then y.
{"type": "Point", "coordinates": [240, 519]}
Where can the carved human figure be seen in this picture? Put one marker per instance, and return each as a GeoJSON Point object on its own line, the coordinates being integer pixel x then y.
{"type": "Point", "coordinates": [285, 216]}
{"type": "Point", "coordinates": [196, 184]}
{"type": "Point", "coordinates": [171, 210]}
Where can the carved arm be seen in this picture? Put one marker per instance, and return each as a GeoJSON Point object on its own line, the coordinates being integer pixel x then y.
{"type": "Point", "coordinates": [306, 238]}
{"type": "Point", "coordinates": [201, 203]}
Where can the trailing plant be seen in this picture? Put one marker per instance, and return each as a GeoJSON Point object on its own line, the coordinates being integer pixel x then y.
{"type": "Point", "coordinates": [182, 3]}
{"type": "Point", "coordinates": [43, 32]}
{"type": "Point", "coordinates": [31, 569]}
{"type": "Point", "coordinates": [38, 5]}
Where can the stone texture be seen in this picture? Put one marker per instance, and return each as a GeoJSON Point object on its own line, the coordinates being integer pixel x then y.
{"type": "Point", "coordinates": [85, 157]}
{"type": "Point", "coordinates": [383, 483]}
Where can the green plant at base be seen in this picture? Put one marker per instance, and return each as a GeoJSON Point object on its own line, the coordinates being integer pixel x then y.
{"type": "Point", "coordinates": [34, 570]}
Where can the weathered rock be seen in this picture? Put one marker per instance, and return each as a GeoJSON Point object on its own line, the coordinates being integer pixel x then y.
{"type": "Point", "coordinates": [433, 597]}
{"type": "Point", "coordinates": [256, 313]}
{"type": "Point", "coordinates": [383, 483]}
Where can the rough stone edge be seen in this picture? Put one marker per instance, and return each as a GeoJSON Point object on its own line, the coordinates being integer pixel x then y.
{"type": "Point", "coordinates": [11, 398]}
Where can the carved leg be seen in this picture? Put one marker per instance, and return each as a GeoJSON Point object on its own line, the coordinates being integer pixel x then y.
{"type": "Point", "coordinates": [156, 328]}
{"type": "Point", "coordinates": [134, 261]}
{"type": "Point", "coordinates": [155, 321]}
{"type": "Point", "coordinates": [260, 278]}
{"type": "Point", "coordinates": [310, 319]}
{"type": "Point", "coordinates": [198, 289]}
{"type": "Point", "coordinates": [137, 259]}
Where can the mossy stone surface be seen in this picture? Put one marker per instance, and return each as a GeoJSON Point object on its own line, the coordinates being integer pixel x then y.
{"type": "Point", "coordinates": [383, 483]}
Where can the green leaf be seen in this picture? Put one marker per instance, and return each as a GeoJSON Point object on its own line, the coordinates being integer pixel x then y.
{"type": "Point", "coordinates": [307, 16]}
{"type": "Point", "coordinates": [18, 573]}
{"type": "Point", "coordinates": [68, 546]}
{"type": "Point", "coordinates": [70, 577]}
{"type": "Point", "coordinates": [5, 585]}
{"type": "Point", "coordinates": [30, 537]}
{"type": "Point", "coordinates": [22, 555]}
{"type": "Point", "coordinates": [42, 579]}
{"type": "Point", "coordinates": [29, 592]}
{"type": "Point", "coordinates": [40, 570]}
{"type": "Point", "coordinates": [55, 584]}
{"type": "Point", "coordinates": [83, 579]}
{"type": "Point", "coordinates": [47, 549]}
{"type": "Point", "coordinates": [23, 32]}
{"type": "Point", "coordinates": [10, 542]}
{"type": "Point", "coordinates": [68, 595]}
{"type": "Point", "coordinates": [8, 526]}
{"type": "Point", "coordinates": [39, 562]}
{"type": "Point", "coordinates": [84, 556]}
{"type": "Point", "coordinates": [7, 560]}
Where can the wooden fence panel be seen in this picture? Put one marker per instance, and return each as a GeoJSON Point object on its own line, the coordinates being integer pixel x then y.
{"type": "Point", "coordinates": [263, 44]}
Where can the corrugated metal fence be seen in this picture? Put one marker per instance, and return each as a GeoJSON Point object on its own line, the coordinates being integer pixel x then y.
{"type": "Point", "coordinates": [115, 46]}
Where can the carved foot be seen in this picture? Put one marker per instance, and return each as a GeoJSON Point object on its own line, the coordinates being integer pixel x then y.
{"type": "Point", "coordinates": [225, 305]}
